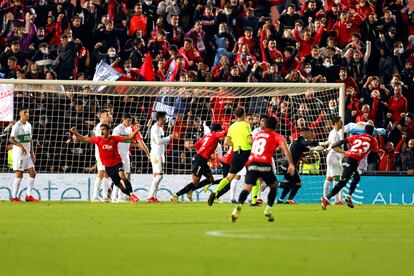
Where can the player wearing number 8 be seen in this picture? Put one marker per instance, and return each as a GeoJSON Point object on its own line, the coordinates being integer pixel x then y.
{"type": "Point", "coordinates": [361, 145]}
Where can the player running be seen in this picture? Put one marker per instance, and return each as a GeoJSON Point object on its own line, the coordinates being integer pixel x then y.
{"type": "Point", "coordinates": [334, 159]}
{"type": "Point", "coordinates": [239, 136]}
{"type": "Point", "coordinates": [125, 129]}
{"type": "Point", "coordinates": [299, 148]}
{"type": "Point", "coordinates": [109, 155]}
{"type": "Point", "coordinates": [158, 144]}
{"type": "Point", "coordinates": [205, 147]}
{"type": "Point", "coordinates": [23, 155]}
{"type": "Point", "coordinates": [361, 145]}
{"type": "Point", "coordinates": [259, 165]}
{"type": "Point", "coordinates": [105, 117]}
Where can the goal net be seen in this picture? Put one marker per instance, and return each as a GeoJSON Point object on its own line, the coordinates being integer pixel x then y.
{"type": "Point", "coordinates": [56, 106]}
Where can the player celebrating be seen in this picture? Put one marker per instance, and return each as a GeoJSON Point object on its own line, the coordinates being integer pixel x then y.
{"type": "Point", "coordinates": [105, 117]}
{"type": "Point", "coordinates": [125, 129]}
{"type": "Point", "coordinates": [205, 147]}
{"type": "Point", "coordinates": [23, 155]}
{"type": "Point", "coordinates": [299, 148]}
{"type": "Point", "coordinates": [108, 152]}
{"type": "Point", "coordinates": [260, 166]}
{"type": "Point", "coordinates": [361, 145]}
{"type": "Point", "coordinates": [333, 159]}
{"type": "Point", "coordinates": [239, 136]}
{"type": "Point", "coordinates": [158, 143]}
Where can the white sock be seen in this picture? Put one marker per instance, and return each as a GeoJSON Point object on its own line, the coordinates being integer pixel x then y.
{"type": "Point", "coordinates": [154, 185]}
{"type": "Point", "coordinates": [233, 187]}
{"type": "Point", "coordinates": [16, 187]}
{"type": "Point", "coordinates": [114, 195]}
{"type": "Point", "coordinates": [30, 183]}
{"type": "Point", "coordinates": [326, 187]}
{"type": "Point", "coordinates": [106, 182]}
{"type": "Point", "coordinates": [96, 186]}
{"type": "Point", "coordinates": [338, 196]}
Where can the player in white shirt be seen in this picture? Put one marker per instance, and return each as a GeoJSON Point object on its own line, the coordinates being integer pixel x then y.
{"type": "Point", "coordinates": [158, 144]}
{"type": "Point", "coordinates": [23, 155]}
{"type": "Point", "coordinates": [125, 129]}
{"type": "Point", "coordinates": [334, 159]}
{"type": "Point", "coordinates": [105, 117]}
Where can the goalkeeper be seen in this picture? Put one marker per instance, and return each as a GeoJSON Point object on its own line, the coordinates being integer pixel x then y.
{"type": "Point", "coordinates": [299, 148]}
{"type": "Point", "coordinates": [239, 136]}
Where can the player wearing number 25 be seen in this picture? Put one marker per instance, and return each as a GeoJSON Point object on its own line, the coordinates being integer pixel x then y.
{"type": "Point", "coordinates": [361, 145]}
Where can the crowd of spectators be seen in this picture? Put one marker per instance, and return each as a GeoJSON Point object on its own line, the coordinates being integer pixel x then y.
{"type": "Point", "coordinates": [368, 45]}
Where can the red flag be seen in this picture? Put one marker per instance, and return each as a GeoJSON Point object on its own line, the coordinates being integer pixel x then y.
{"type": "Point", "coordinates": [147, 70]}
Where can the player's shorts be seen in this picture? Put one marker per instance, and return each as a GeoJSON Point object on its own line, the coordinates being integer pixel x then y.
{"type": "Point", "coordinates": [239, 160]}
{"type": "Point", "coordinates": [363, 164]}
{"type": "Point", "coordinates": [243, 172]}
{"type": "Point", "coordinates": [113, 173]}
{"type": "Point", "coordinates": [350, 167]}
{"type": "Point", "coordinates": [157, 162]}
{"type": "Point", "coordinates": [293, 179]}
{"type": "Point", "coordinates": [333, 166]}
{"type": "Point", "coordinates": [99, 165]}
{"type": "Point", "coordinates": [260, 170]}
{"type": "Point", "coordinates": [22, 162]}
{"type": "Point", "coordinates": [199, 166]}
{"type": "Point", "coordinates": [126, 161]}
{"type": "Point", "coordinates": [225, 168]}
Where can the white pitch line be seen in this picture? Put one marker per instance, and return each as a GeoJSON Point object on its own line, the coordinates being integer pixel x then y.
{"type": "Point", "coordinates": [241, 234]}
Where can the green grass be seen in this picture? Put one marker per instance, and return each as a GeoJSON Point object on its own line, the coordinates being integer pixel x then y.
{"type": "Point", "coordinates": [172, 239]}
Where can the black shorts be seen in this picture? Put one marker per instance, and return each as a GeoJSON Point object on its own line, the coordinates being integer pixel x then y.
{"type": "Point", "coordinates": [239, 160]}
{"type": "Point", "coordinates": [260, 170]}
{"type": "Point", "coordinates": [225, 168]}
{"type": "Point", "coordinates": [199, 166]}
{"type": "Point", "coordinates": [293, 179]}
{"type": "Point", "coordinates": [113, 172]}
{"type": "Point", "coordinates": [350, 168]}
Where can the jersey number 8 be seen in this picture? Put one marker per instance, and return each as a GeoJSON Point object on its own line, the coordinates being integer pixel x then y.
{"type": "Point", "coordinates": [258, 146]}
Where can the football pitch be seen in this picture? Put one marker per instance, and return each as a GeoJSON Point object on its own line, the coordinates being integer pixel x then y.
{"type": "Point", "coordinates": [73, 238]}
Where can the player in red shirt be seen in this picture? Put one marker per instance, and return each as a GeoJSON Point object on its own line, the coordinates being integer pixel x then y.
{"type": "Point", "coordinates": [361, 145]}
{"type": "Point", "coordinates": [108, 152]}
{"type": "Point", "coordinates": [205, 147]}
{"type": "Point", "coordinates": [259, 165]}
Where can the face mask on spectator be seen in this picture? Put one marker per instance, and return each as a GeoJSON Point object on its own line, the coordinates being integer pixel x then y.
{"type": "Point", "coordinates": [327, 65]}
{"type": "Point", "coordinates": [148, 3]}
{"type": "Point", "coordinates": [401, 50]}
{"type": "Point", "coordinates": [243, 55]}
{"type": "Point", "coordinates": [112, 54]}
{"type": "Point", "coordinates": [46, 52]}
{"type": "Point", "coordinates": [308, 70]}
{"type": "Point", "coordinates": [221, 31]}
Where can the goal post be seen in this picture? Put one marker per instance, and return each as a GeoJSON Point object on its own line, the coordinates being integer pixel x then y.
{"type": "Point", "coordinates": [57, 105]}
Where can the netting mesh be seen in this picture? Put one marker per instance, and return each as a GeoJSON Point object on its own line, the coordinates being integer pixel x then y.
{"type": "Point", "coordinates": [191, 110]}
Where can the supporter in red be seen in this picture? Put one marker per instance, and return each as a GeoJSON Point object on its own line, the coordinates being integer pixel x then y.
{"type": "Point", "coordinates": [364, 8]}
{"type": "Point", "coordinates": [117, 12]}
{"type": "Point", "coordinates": [247, 39]}
{"type": "Point", "coordinates": [367, 113]}
{"type": "Point", "coordinates": [222, 70]}
{"type": "Point", "coordinates": [345, 27]}
{"type": "Point", "coordinates": [128, 73]}
{"type": "Point", "coordinates": [190, 52]}
{"type": "Point", "coordinates": [290, 61]}
{"type": "Point", "coordinates": [137, 22]}
{"type": "Point", "coordinates": [347, 80]}
{"type": "Point", "coordinates": [389, 154]}
{"type": "Point", "coordinates": [244, 57]}
{"type": "Point", "coordinates": [269, 51]}
{"type": "Point", "coordinates": [305, 42]}
{"type": "Point", "coordinates": [397, 104]}
{"type": "Point", "coordinates": [158, 47]}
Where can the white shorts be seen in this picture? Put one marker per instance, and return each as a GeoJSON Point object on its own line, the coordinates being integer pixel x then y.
{"type": "Point", "coordinates": [333, 166]}
{"type": "Point", "coordinates": [242, 172]}
{"type": "Point", "coordinates": [126, 161]}
{"type": "Point", "coordinates": [99, 165]}
{"type": "Point", "coordinates": [363, 165]}
{"type": "Point", "coordinates": [22, 162]}
{"type": "Point", "coordinates": [157, 162]}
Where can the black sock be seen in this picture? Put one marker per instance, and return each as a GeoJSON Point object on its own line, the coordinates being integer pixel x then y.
{"type": "Point", "coordinates": [186, 189]}
{"type": "Point", "coordinates": [243, 196]}
{"type": "Point", "coordinates": [223, 191]}
{"type": "Point", "coordinates": [271, 196]}
{"type": "Point", "coordinates": [294, 191]}
{"type": "Point", "coordinates": [355, 180]}
{"type": "Point", "coordinates": [286, 190]}
{"type": "Point", "coordinates": [205, 182]}
{"type": "Point", "coordinates": [128, 187]}
{"type": "Point", "coordinates": [336, 189]}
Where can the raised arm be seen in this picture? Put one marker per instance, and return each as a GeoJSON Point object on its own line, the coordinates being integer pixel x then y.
{"type": "Point", "coordinates": [80, 138]}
